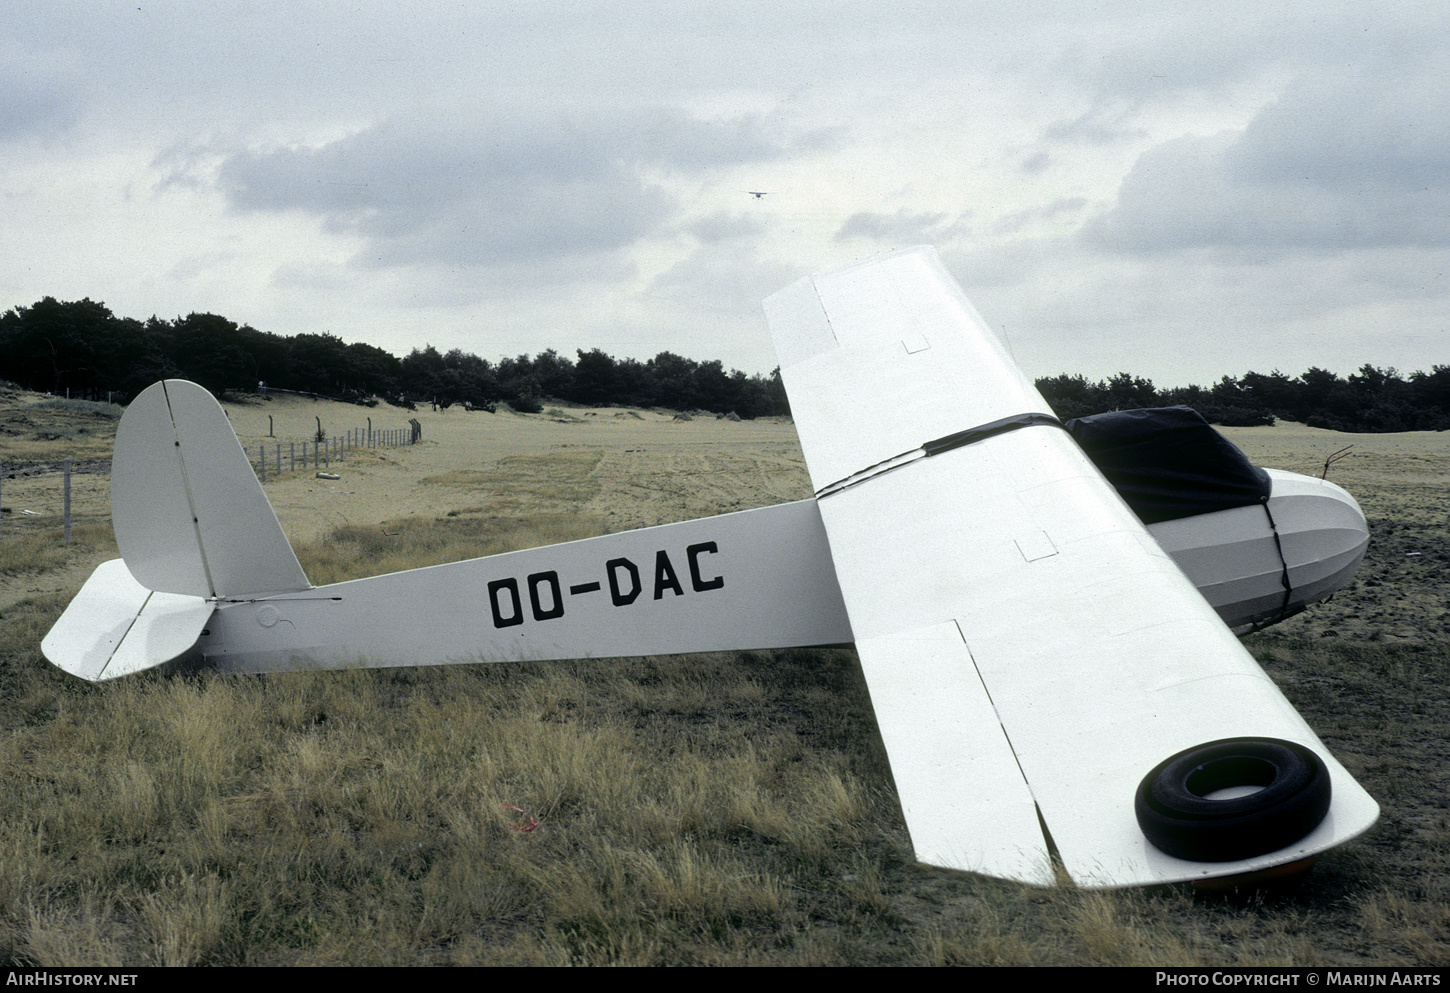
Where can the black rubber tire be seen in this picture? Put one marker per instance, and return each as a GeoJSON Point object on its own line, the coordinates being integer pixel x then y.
{"type": "Point", "coordinates": [1176, 816]}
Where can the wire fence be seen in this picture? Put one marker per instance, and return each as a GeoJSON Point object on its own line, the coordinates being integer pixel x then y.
{"type": "Point", "coordinates": [55, 495]}
{"type": "Point", "coordinates": [271, 457]}
{"type": "Point", "coordinates": [60, 494]}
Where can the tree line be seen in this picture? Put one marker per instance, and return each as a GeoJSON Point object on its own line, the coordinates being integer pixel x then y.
{"type": "Point", "coordinates": [82, 347]}
{"type": "Point", "coordinates": [1370, 400]}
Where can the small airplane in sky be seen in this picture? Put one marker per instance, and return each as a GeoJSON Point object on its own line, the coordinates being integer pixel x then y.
{"type": "Point", "coordinates": [1056, 683]}
{"type": "Point", "coordinates": [758, 193]}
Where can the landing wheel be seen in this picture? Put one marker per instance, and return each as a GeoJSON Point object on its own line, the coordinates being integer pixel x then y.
{"type": "Point", "coordinates": [1233, 799]}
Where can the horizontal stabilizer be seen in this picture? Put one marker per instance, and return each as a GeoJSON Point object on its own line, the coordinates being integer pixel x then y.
{"type": "Point", "coordinates": [115, 626]}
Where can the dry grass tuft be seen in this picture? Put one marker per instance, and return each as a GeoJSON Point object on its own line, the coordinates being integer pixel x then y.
{"type": "Point", "coordinates": [355, 551]}
{"type": "Point", "coordinates": [37, 549]}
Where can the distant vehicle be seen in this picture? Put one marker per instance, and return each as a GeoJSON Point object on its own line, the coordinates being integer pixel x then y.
{"type": "Point", "coordinates": [1054, 693]}
{"type": "Point", "coordinates": [758, 193]}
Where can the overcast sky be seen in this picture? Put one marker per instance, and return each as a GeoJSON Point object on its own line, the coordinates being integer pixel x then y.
{"type": "Point", "coordinates": [1179, 190]}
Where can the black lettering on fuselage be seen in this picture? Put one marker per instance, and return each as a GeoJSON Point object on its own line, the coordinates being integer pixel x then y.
{"type": "Point", "coordinates": [665, 578]}
{"type": "Point", "coordinates": [620, 598]}
{"type": "Point", "coordinates": [546, 590]}
{"type": "Point", "coordinates": [550, 579]}
{"type": "Point", "coordinates": [694, 552]}
{"type": "Point", "coordinates": [517, 616]}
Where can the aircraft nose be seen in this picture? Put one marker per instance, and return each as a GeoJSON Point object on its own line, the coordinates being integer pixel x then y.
{"type": "Point", "coordinates": [1322, 531]}
{"type": "Point", "coordinates": [1342, 495]}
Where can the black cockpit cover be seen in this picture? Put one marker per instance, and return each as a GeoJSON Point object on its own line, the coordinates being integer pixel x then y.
{"type": "Point", "coordinates": [1167, 462]}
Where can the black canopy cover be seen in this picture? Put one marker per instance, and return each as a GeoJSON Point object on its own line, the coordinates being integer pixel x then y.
{"type": "Point", "coordinates": [1167, 462]}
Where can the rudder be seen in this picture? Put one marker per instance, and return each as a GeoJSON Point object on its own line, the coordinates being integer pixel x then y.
{"type": "Point", "coordinates": [189, 514]}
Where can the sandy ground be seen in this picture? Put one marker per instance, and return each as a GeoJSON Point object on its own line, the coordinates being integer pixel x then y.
{"type": "Point", "coordinates": [628, 468]}
{"type": "Point", "coordinates": [680, 469]}
{"type": "Point", "coordinates": [1410, 457]}
{"type": "Point", "coordinates": [648, 468]}
{"type": "Point", "coordinates": [636, 468]}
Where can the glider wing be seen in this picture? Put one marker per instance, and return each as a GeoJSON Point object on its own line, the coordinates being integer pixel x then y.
{"type": "Point", "coordinates": [1031, 652]}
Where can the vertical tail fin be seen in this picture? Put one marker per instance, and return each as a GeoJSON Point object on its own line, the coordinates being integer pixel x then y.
{"type": "Point", "coordinates": [189, 514]}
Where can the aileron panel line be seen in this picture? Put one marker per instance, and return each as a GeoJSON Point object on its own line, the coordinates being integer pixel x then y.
{"type": "Point", "coordinates": [952, 762]}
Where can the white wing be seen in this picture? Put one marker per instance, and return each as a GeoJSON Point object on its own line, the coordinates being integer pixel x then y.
{"type": "Point", "coordinates": [1031, 651]}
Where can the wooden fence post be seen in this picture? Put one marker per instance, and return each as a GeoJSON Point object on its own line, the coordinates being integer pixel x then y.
{"type": "Point", "coordinates": [67, 500]}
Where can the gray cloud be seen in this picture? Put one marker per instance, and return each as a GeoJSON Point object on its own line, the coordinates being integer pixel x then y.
{"type": "Point", "coordinates": [496, 188]}
{"type": "Point", "coordinates": [530, 163]}
{"type": "Point", "coordinates": [27, 110]}
{"type": "Point", "coordinates": [1015, 222]}
{"type": "Point", "coordinates": [1352, 134]}
{"type": "Point", "coordinates": [903, 227]}
{"type": "Point", "coordinates": [1035, 163]}
{"type": "Point", "coordinates": [1330, 167]}
{"type": "Point", "coordinates": [1100, 125]}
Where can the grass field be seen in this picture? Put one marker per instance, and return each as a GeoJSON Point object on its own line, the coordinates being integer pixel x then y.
{"type": "Point", "coordinates": [714, 809]}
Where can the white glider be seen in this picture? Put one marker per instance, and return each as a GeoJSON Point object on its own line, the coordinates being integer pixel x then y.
{"type": "Point", "coordinates": [1055, 694]}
